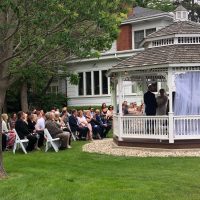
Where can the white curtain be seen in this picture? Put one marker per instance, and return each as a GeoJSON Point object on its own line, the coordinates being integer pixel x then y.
{"type": "Point", "coordinates": [187, 102]}
{"type": "Point", "coordinates": [187, 97]}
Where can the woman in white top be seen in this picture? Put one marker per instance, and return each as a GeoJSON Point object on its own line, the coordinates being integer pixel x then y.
{"type": "Point", "coordinates": [5, 130]}
{"type": "Point", "coordinates": [84, 123]}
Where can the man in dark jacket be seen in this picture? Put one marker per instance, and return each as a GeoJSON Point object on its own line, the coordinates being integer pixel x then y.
{"type": "Point", "coordinates": [150, 102]}
{"type": "Point", "coordinates": [22, 130]}
{"type": "Point", "coordinates": [74, 126]}
{"type": "Point", "coordinates": [150, 107]}
{"type": "Point", "coordinates": [105, 127]}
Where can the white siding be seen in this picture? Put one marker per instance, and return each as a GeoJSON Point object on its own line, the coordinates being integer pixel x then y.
{"type": "Point", "coordinates": [98, 100]}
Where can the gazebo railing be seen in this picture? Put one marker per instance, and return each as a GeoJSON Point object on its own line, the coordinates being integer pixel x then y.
{"type": "Point", "coordinates": [187, 127]}
{"type": "Point", "coordinates": [155, 127]}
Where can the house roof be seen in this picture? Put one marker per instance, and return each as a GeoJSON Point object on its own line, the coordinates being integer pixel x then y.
{"type": "Point", "coordinates": [179, 27]}
{"type": "Point", "coordinates": [180, 8]}
{"type": "Point", "coordinates": [141, 13]}
{"type": "Point", "coordinates": [174, 54]}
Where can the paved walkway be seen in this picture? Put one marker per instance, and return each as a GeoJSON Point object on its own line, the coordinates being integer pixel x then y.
{"type": "Point", "coordinates": [107, 146]}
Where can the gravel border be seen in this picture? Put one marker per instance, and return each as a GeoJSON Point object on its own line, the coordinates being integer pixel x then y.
{"type": "Point", "coordinates": [107, 146]}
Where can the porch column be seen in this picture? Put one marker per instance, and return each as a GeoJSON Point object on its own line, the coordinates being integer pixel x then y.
{"type": "Point", "coordinates": [120, 94]}
{"type": "Point", "coordinates": [171, 114]}
{"type": "Point", "coordinates": [114, 95]}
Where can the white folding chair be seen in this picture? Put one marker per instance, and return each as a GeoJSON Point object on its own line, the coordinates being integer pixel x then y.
{"type": "Point", "coordinates": [73, 136]}
{"type": "Point", "coordinates": [19, 143]}
{"type": "Point", "coordinates": [54, 142]}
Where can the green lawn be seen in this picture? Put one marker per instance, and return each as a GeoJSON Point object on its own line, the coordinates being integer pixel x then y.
{"type": "Point", "coordinates": [73, 174]}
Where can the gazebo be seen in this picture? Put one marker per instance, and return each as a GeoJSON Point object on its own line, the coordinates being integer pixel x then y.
{"type": "Point", "coordinates": [170, 55]}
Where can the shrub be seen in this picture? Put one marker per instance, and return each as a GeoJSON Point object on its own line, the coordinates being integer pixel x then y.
{"type": "Point", "coordinates": [48, 101]}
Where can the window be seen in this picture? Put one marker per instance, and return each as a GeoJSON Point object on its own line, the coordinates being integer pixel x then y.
{"type": "Point", "coordinates": [138, 37]}
{"type": "Point", "coordinates": [53, 89]}
{"type": "Point", "coordinates": [149, 31]}
{"type": "Point", "coordinates": [136, 88]}
{"type": "Point", "coordinates": [104, 82]}
{"type": "Point", "coordinates": [80, 84]}
{"type": "Point", "coordinates": [178, 15]}
{"type": "Point", "coordinates": [96, 82]}
{"type": "Point", "coordinates": [88, 83]}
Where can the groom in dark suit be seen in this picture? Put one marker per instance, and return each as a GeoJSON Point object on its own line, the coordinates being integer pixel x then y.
{"type": "Point", "coordinates": [150, 101]}
{"type": "Point", "coordinates": [150, 108]}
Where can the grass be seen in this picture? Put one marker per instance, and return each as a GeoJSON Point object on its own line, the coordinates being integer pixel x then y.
{"type": "Point", "coordinates": [73, 174]}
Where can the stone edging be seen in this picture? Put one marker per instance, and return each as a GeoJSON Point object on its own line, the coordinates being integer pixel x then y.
{"type": "Point", "coordinates": [107, 146]}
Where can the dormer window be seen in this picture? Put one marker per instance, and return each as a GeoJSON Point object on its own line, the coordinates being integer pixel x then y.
{"type": "Point", "coordinates": [181, 14]}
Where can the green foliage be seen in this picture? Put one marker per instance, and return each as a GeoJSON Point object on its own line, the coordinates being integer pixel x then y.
{"type": "Point", "coordinates": [50, 32]}
{"type": "Point", "coordinates": [75, 175]}
{"type": "Point", "coordinates": [164, 5]}
{"type": "Point", "coordinates": [13, 100]}
{"type": "Point", "coordinates": [47, 101]}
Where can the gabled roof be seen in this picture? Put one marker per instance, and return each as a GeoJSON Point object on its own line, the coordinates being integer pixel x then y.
{"type": "Point", "coordinates": [180, 8]}
{"type": "Point", "coordinates": [174, 54]}
{"type": "Point", "coordinates": [141, 13]}
{"type": "Point", "coordinates": [179, 27]}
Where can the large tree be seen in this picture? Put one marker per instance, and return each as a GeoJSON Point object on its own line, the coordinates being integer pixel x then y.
{"type": "Point", "coordinates": [164, 5]}
{"type": "Point", "coordinates": [38, 36]}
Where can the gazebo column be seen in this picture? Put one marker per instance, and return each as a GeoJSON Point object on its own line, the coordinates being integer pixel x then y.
{"type": "Point", "coordinates": [120, 97]}
{"type": "Point", "coordinates": [114, 95]}
{"type": "Point", "coordinates": [171, 113]}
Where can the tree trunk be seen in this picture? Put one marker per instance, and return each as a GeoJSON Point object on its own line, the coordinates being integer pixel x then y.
{"type": "Point", "coordinates": [44, 91]}
{"type": "Point", "coordinates": [24, 97]}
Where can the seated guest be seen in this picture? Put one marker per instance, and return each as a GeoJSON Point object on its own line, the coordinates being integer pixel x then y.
{"type": "Point", "coordinates": [133, 108]}
{"type": "Point", "coordinates": [91, 111]}
{"type": "Point", "coordinates": [57, 118]}
{"type": "Point", "coordinates": [12, 120]}
{"type": "Point", "coordinates": [96, 128]}
{"type": "Point", "coordinates": [125, 108]}
{"type": "Point", "coordinates": [10, 135]}
{"type": "Point", "coordinates": [84, 123]}
{"type": "Point", "coordinates": [4, 133]}
{"type": "Point", "coordinates": [65, 115]}
{"type": "Point", "coordinates": [31, 122]}
{"type": "Point", "coordinates": [4, 141]}
{"type": "Point", "coordinates": [40, 126]}
{"type": "Point", "coordinates": [140, 109]}
{"type": "Point", "coordinates": [104, 109]}
{"type": "Point", "coordinates": [103, 123]}
{"type": "Point", "coordinates": [109, 114]}
{"type": "Point", "coordinates": [56, 131]}
{"type": "Point", "coordinates": [22, 130]}
{"type": "Point", "coordinates": [75, 126]}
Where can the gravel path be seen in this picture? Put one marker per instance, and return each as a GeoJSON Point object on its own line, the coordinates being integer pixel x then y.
{"type": "Point", "coordinates": [107, 146]}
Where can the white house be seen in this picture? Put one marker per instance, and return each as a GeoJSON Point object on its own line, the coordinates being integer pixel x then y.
{"type": "Point", "coordinates": [94, 87]}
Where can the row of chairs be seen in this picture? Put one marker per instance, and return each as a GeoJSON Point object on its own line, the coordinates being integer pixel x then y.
{"type": "Point", "coordinates": [50, 142]}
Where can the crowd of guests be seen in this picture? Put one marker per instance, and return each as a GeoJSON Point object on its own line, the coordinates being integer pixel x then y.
{"type": "Point", "coordinates": [132, 108]}
{"type": "Point", "coordinates": [83, 124]}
